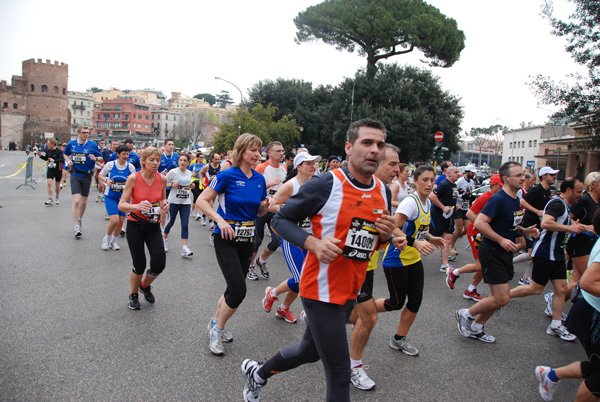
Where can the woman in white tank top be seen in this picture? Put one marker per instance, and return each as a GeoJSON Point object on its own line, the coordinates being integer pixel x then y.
{"type": "Point", "coordinates": [400, 186]}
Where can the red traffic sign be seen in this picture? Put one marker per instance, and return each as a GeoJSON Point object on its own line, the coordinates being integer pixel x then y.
{"type": "Point", "coordinates": [439, 136]}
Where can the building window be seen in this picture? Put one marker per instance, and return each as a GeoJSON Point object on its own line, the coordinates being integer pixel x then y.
{"type": "Point", "coordinates": [116, 125]}
{"type": "Point", "coordinates": [147, 117]}
{"type": "Point", "coordinates": [530, 143]}
{"type": "Point", "coordinates": [174, 118]}
{"type": "Point", "coordinates": [32, 88]}
{"type": "Point", "coordinates": [44, 88]}
{"type": "Point", "coordinates": [5, 104]}
{"type": "Point", "coordinates": [126, 117]}
{"type": "Point", "coordinates": [64, 91]}
{"type": "Point", "coordinates": [158, 117]}
{"type": "Point", "coordinates": [15, 106]}
{"type": "Point", "coordinates": [510, 145]}
{"type": "Point", "coordinates": [116, 116]}
{"type": "Point", "coordinates": [535, 143]}
{"type": "Point", "coordinates": [56, 90]}
{"type": "Point", "coordinates": [106, 116]}
{"type": "Point", "coordinates": [145, 126]}
{"type": "Point", "coordinates": [166, 126]}
{"type": "Point", "coordinates": [166, 117]}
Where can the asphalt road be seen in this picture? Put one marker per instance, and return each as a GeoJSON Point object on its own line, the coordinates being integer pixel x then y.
{"type": "Point", "coordinates": [66, 332]}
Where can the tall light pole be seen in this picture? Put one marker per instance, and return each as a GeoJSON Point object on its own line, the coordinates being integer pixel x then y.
{"type": "Point", "coordinates": [241, 98]}
{"type": "Point", "coordinates": [236, 87]}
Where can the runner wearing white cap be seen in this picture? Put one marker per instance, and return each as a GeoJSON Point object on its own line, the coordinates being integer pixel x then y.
{"type": "Point", "coordinates": [304, 163]}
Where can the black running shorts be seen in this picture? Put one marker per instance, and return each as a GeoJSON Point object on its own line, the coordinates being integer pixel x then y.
{"type": "Point", "coordinates": [496, 265]}
{"type": "Point", "coordinates": [545, 270]}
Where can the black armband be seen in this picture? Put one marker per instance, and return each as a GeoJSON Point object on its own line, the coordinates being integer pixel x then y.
{"type": "Point", "coordinates": [410, 241]}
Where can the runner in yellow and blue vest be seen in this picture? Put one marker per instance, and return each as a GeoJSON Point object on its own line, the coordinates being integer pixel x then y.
{"type": "Point", "coordinates": [404, 269]}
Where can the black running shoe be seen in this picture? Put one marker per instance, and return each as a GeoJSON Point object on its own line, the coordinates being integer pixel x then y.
{"type": "Point", "coordinates": [147, 293]}
{"type": "Point", "coordinates": [134, 303]}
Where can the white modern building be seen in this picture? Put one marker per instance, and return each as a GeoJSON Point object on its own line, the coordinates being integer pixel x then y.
{"type": "Point", "coordinates": [523, 145]}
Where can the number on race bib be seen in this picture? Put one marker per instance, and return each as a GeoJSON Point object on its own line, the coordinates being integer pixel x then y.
{"type": "Point", "coordinates": [360, 240]}
{"type": "Point", "coordinates": [244, 233]}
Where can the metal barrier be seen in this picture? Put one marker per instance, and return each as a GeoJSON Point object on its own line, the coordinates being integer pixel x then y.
{"type": "Point", "coordinates": [28, 174]}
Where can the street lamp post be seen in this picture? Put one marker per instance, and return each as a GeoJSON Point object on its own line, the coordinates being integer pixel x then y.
{"type": "Point", "coordinates": [241, 98]}
{"type": "Point", "coordinates": [229, 82]}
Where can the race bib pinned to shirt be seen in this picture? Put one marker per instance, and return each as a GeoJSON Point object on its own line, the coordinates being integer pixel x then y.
{"type": "Point", "coordinates": [153, 214]}
{"type": "Point", "coordinates": [244, 231]}
{"type": "Point", "coordinates": [117, 186]}
{"type": "Point", "coordinates": [517, 219]}
{"type": "Point", "coordinates": [79, 158]}
{"type": "Point", "coordinates": [360, 240]}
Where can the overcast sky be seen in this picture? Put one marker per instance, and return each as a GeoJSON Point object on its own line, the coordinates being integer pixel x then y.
{"type": "Point", "coordinates": [182, 45]}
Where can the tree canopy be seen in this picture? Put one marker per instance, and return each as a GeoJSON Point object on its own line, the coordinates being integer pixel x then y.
{"type": "Point", "coordinates": [260, 121]}
{"type": "Point", "coordinates": [409, 100]}
{"type": "Point", "coordinates": [380, 29]}
{"type": "Point", "coordinates": [580, 101]}
{"type": "Point", "coordinates": [211, 99]}
{"type": "Point", "coordinates": [223, 99]}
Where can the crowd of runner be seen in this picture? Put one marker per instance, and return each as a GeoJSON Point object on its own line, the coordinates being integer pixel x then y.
{"type": "Point", "coordinates": [336, 222]}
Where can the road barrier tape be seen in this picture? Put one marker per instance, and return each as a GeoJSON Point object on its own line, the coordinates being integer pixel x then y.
{"type": "Point", "coordinates": [22, 165]}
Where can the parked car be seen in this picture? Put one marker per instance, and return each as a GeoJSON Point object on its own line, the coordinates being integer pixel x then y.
{"type": "Point", "coordinates": [479, 190]}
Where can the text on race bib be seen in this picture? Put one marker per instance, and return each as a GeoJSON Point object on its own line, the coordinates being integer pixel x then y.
{"type": "Point", "coordinates": [360, 240]}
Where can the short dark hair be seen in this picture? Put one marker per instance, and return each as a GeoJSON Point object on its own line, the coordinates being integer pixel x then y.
{"type": "Point", "coordinates": [568, 183]}
{"type": "Point", "coordinates": [352, 133]}
{"type": "Point", "coordinates": [422, 169]}
{"type": "Point", "coordinates": [128, 141]}
{"type": "Point", "coordinates": [122, 148]}
{"type": "Point", "coordinates": [505, 169]}
{"type": "Point", "coordinates": [184, 155]}
{"type": "Point", "coordinates": [271, 144]}
{"type": "Point", "coordinates": [169, 140]}
{"type": "Point", "coordinates": [445, 165]}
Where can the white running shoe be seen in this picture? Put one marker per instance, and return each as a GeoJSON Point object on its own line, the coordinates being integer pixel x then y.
{"type": "Point", "coordinates": [561, 332]}
{"type": "Point", "coordinates": [215, 343]}
{"type": "Point", "coordinates": [186, 252]}
{"type": "Point", "coordinates": [49, 201]}
{"type": "Point", "coordinates": [77, 231]}
{"type": "Point", "coordinates": [165, 244]}
{"type": "Point", "coordinates": [203, 221]}
{"type": "Point", "coordinates": [360, 379]}
{"type": "Point", "coordinates": [105, 243]}
{"type": "Point", "coordinates": [114, 245]}
{"type": "Point", "coordinates": [57, 202]}
{"type": "Point", "coordinates": [251, 391]}
{"type": "Point", "coordinates": [546, 387]}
